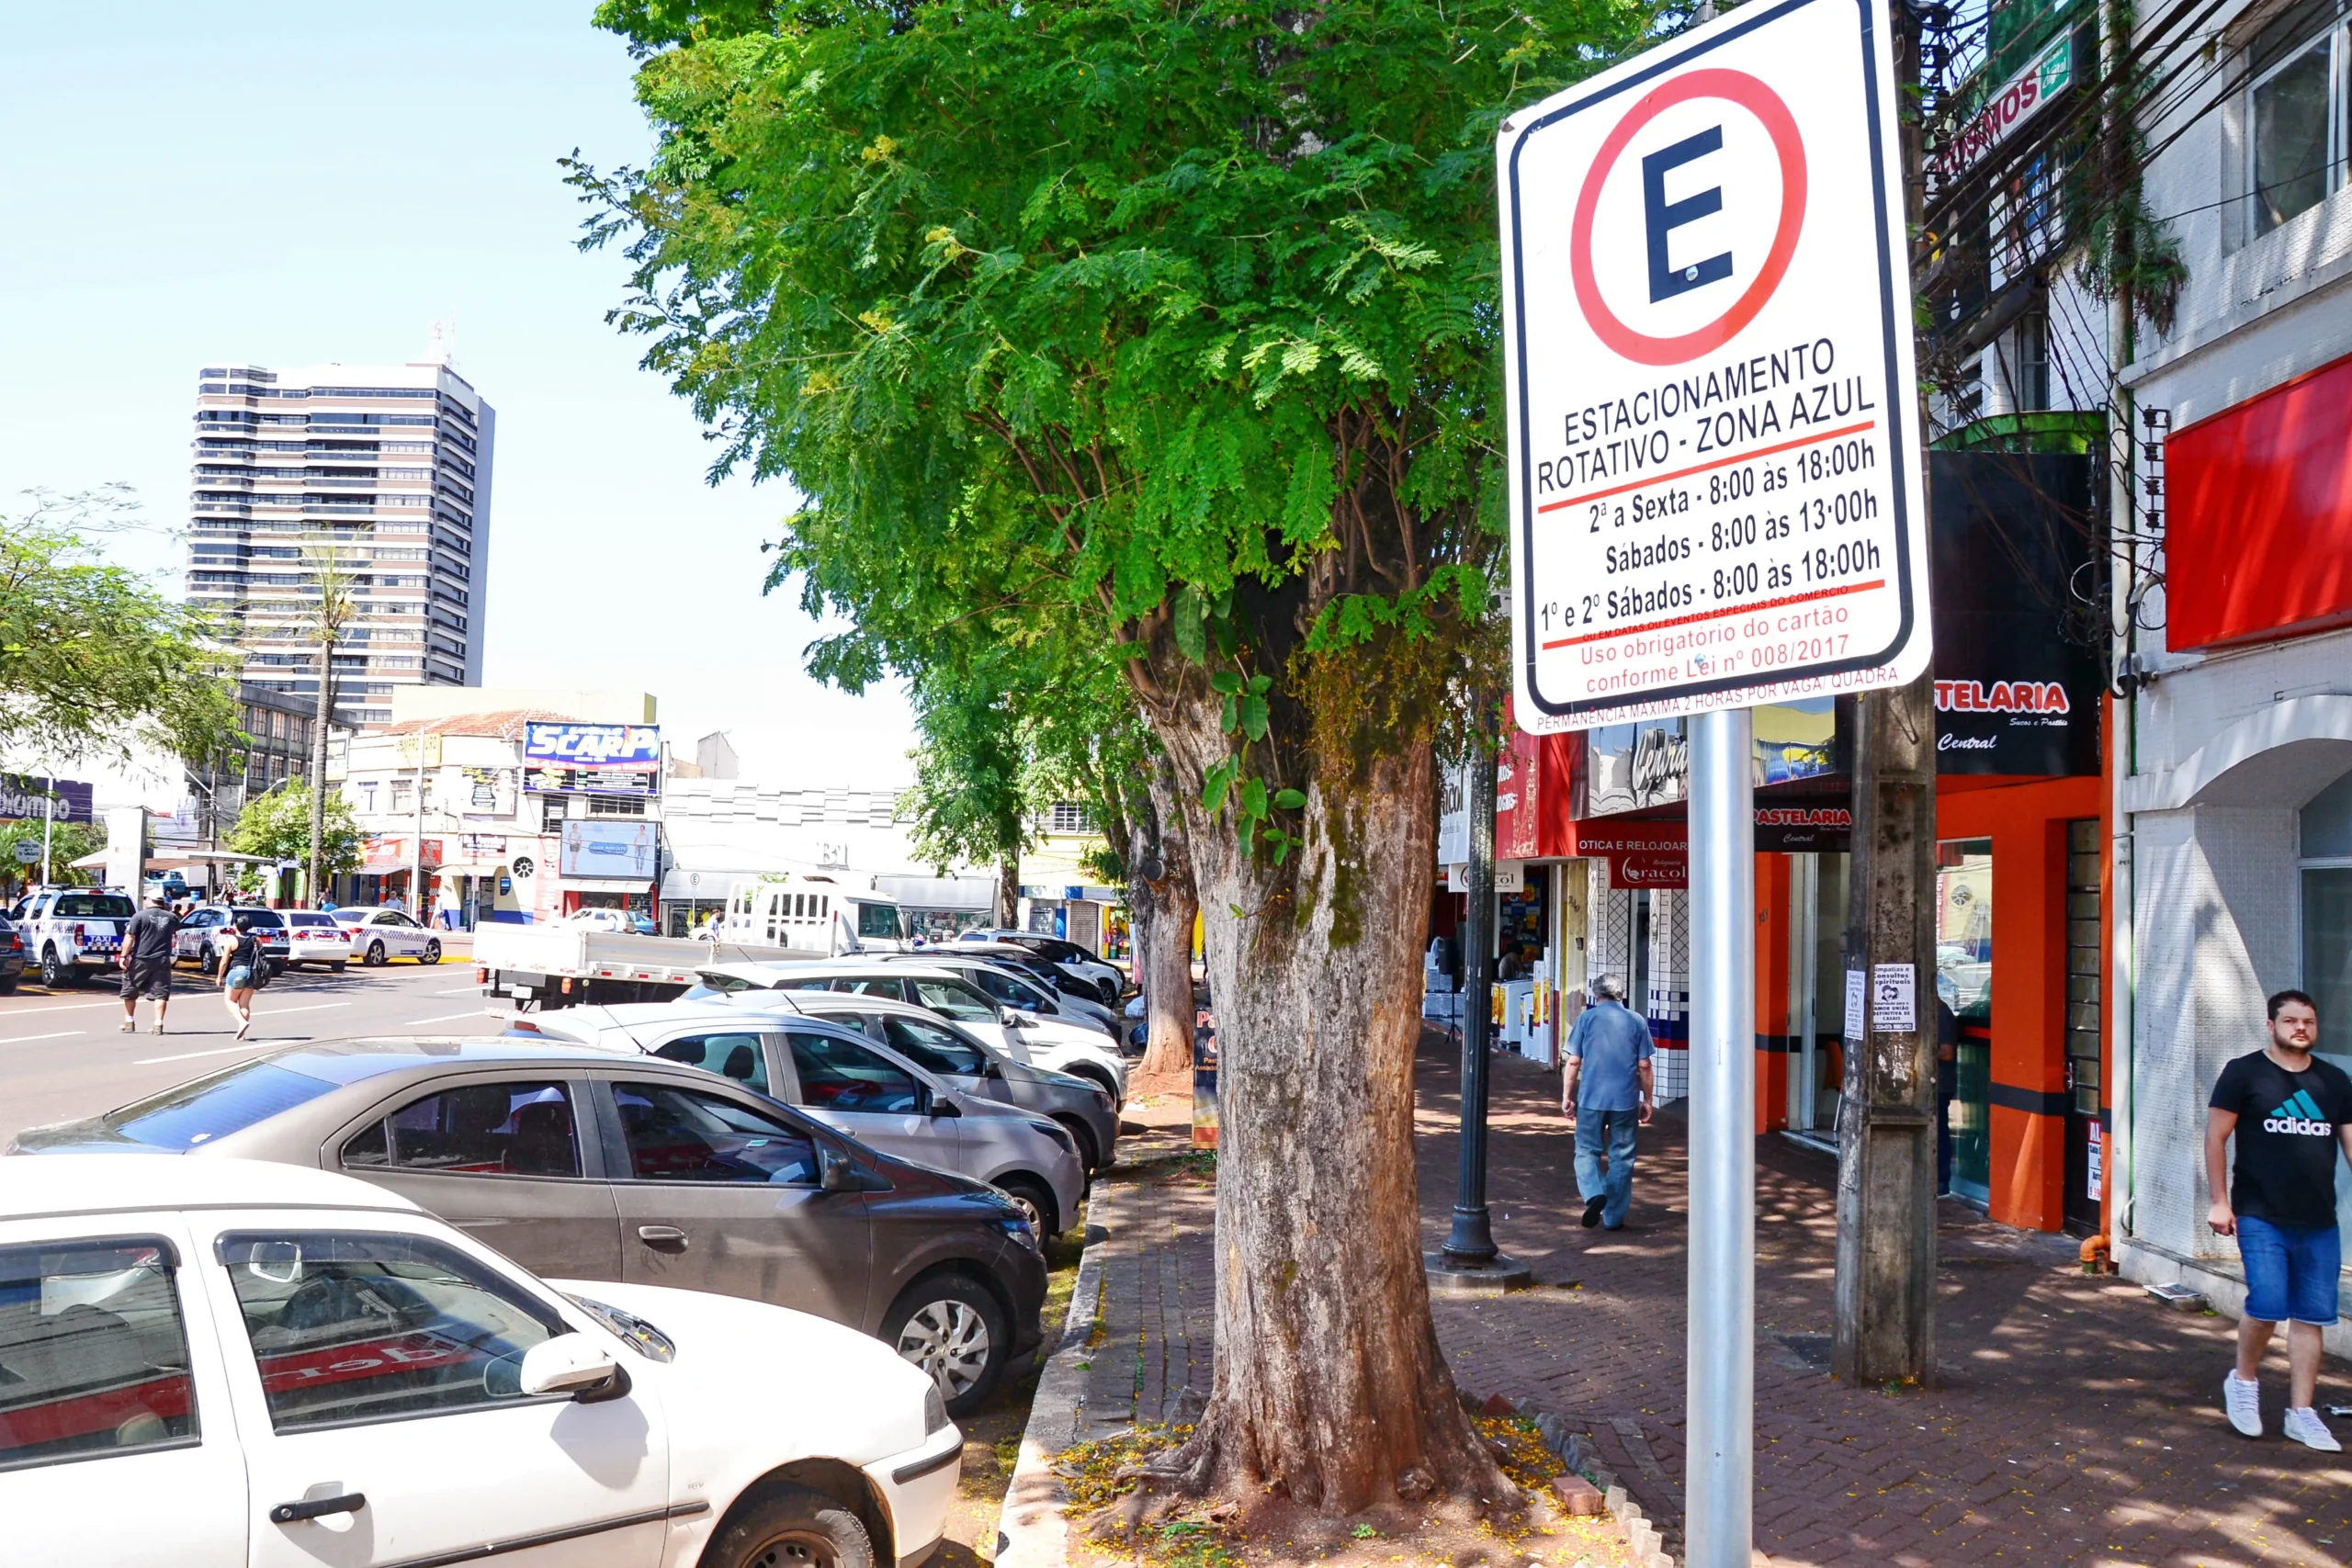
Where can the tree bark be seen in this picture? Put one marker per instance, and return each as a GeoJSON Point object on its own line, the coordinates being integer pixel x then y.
{"type": "Point", "coordinates": [1164, 954]}
{"type": "Point", "coordinates": [1008, 890]}
{"type": "Point", "coordinates": [1329, 1386]}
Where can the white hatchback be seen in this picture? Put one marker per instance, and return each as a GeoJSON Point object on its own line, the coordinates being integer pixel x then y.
{"type": "Point", "coordinates": [268, 1367]}
{"type": "Point", "coordinates": [379, 935]}
{"type": "Point", "coordinates": [313, 937]}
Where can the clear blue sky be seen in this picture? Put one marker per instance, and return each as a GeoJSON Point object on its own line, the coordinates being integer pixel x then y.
{"type": "Point", "coordinates": [296, 187]}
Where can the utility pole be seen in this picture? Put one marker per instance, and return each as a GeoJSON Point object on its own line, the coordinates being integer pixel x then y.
{"type": "Point", "coordinates": [1886, 1301]}
{"type": "Point", "coordinates": [313, 878]}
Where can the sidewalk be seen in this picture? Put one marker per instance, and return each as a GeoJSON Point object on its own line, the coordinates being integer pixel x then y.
{"type": "Point", "coordinates": [2077, 1420]}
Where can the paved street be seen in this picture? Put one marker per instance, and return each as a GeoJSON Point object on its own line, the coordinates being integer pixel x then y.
{"type": "Point", "coordinates": [62, 1054]}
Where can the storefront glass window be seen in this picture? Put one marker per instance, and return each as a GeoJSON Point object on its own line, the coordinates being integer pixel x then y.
{"type": "Point", "coordinates": [1964, 986]}
{"type": "Point", "coordinates": [2327, 911]}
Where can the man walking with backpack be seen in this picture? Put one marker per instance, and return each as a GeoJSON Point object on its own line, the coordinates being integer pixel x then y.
{"type": "Point", "coordinates": [1605, 1092]}
{"type": "Point", "coordinates": [2290, 1113]}
{"type": "Point", "coordinates": [147, 961]}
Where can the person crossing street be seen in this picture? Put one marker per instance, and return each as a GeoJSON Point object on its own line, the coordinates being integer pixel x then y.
{"type": "Point", "coordinates": [147, 961]}
{"type": "Point", "coordinates": [1606, 1093]}
{"type": "Point", "coordinates": [2290, 1114]}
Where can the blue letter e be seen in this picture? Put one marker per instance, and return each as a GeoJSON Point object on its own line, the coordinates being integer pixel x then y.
{"type": "Point", "coordinates": [1665, 216]}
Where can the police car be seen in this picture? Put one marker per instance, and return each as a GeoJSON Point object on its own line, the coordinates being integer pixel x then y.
{"type": "Point", "coordinates": [72, 933]}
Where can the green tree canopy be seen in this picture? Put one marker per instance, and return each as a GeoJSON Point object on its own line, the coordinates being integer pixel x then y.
{"type": "Point", "coordinates": [92, 658]}
{"type": "Point", "coordinates": [277, 824]}
{"type": "Point", "coordinates": [1165, 336]}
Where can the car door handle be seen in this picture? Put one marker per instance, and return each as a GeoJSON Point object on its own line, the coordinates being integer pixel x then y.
{"type": "Point", "coordinates": [317, 1507]}
{"type": "Point", "coordinates": [662, 1238]}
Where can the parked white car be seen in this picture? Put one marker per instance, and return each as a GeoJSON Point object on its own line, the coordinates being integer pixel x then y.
{"type": "Point", "coordinates": [73, 934]}
{"type": "Point", "coordinates": [260, 1366]}
{"type": "Point", "coordinates": [378, 936]}
{"type": "Point", "coordinates": [313, 937]}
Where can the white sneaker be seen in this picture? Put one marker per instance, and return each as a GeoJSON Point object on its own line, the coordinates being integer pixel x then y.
{"type": "Point", "coordinates": [2242, 1399]}
{"type": "Point", "coordinates": [2305, 1427]}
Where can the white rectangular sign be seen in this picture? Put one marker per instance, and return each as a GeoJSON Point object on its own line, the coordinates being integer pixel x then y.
{"type": "Point", "coordinates": [1714, 453]}
{"type": "Point", "coordinates": [1895, 998]}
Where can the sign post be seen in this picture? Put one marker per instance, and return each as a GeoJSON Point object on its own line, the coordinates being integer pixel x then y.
{"type": "Point", "coordinates": [1716, 502]}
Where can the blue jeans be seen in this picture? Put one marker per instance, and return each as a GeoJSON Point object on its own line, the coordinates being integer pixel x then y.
{"type": "Point", "coordinates": [1612, 1131]}
{"type": "Point", "coordinates": [2291, 1271]}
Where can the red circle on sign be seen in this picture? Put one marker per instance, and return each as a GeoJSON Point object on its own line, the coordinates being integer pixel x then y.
{"type": "Point", "coordinates": [1735, 87]}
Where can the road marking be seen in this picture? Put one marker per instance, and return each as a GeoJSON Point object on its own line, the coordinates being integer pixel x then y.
{"type": "Point", "coordinates": [445, 1018]}
{"type": "Point", "coordinates": [282, 1012]}
{"type": "Point", "coordinates": [222, 1051]}
{"type": "Point", "coordinates": [71, 1007]}
{"type": "Point", "coordinates": [22, 1039]}
{"type": "Point", "coordinates": [461, 991]}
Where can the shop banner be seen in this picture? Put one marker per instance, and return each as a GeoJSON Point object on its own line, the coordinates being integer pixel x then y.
{"type": "Point", "coordinates": [383, 856]}
{"type": "Point", "coordinates": [25, 797]}
{"type": "Point", "coordinates": [593, 745]}
{"type": "Point", "coordinates": [619, 849]}
{"type": "Point", "coordinates": [2021, 612]}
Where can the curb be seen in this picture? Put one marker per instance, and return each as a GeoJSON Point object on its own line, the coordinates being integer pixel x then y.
{"type": "Point", "coordinates": [1576, 1452]}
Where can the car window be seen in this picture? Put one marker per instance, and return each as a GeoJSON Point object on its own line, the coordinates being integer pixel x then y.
{"type": "Point", "coordinates": [92, 1352]}
{"type": "Point", "coordinates": [878, 920]}
{"type": "Point", "coordinates": [873, 985]}
{"type": "Point", "coordinates": [680, 1134]}
{"type": "Point", "coordinates": [308, 921]}
{"type": "Point", "coordinates": [89, 905]}
{"type": "Point", "coordinates": [952, 999]}
{"type": "Point", "coordinates": [350, 1328]}
{"type": "Point", "coordinates": [228, 1101]}
{"type": "Point", "coordinates": [930, 1046]}
{"type": "Point", "coordinates": [737, 1055]}
{"type": "Point", "coordinates": [479, 1129]}
{"type": "Point", "coordinates": [261, 919]}
{"type": "Point", "coordinates": [841, 1075]}
{"type": "Point", "coordinates": [1005, 989]}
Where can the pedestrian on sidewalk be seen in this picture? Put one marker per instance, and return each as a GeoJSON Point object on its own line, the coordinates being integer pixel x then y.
{"type": "Point", "coordinates": [147, 961]}
{"type": "Point", "coordinates": [1605, 1094]}
{"type": "Point", "coordinates": [2289, 1112]}
{"type": "Point", "coordinates": [241, 963]}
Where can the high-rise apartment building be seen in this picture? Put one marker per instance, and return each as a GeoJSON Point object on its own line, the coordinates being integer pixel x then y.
{"type": "Point", "coordinates": [376, 477]}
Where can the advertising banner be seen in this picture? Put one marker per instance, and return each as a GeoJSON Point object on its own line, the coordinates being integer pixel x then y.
{"type": "Point", "coordinates": [621, 849]}
{"type": "Point", "coordinates": [592, 759]}
{"type": "Point", "coordinates": [26, 797]}
{"type": "Point", "coordinates": [1713, 446]}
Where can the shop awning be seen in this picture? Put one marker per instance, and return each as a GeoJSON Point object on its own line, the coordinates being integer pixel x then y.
{"type": "Point", "coordinates": [603, 883]}
{"type": "Point", "coordinates": [948, 893]}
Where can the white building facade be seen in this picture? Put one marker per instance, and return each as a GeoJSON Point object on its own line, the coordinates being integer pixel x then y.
{"type": "Point", "coordinates": [377, 474]}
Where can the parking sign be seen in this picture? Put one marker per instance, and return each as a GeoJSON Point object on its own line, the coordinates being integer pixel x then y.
{"type": "Point", "coordinates": [1714, 453]}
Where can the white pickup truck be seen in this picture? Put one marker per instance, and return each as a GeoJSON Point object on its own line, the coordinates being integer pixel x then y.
{"type": "Point", "coordinates": [558, 964]}
{"type": "Point", "coordinates": [74, 934]}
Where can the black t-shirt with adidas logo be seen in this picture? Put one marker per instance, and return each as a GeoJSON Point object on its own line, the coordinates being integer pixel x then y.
{"type": "Point", "coordinates": [2287, 1138]}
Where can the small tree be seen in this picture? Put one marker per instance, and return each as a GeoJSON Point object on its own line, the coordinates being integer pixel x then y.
{"type": "Point", "coordinates": [970, 800]}
{"type": "Point", "coordinates": [277, 824]}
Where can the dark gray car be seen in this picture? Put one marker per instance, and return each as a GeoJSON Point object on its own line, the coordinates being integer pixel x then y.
{"type": "Point", "coordinates": [581, 1165]}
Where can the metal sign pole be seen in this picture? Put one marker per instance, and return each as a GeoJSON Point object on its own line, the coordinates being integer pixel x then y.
{"type": "Point", "coordinates": [1719, 1523]}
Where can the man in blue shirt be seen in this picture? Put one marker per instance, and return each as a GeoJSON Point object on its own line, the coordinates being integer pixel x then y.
{"type": "Point", "coordinates": [1605, 1093]}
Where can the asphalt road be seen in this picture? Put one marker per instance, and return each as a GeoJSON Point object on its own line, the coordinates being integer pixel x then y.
{"type": "Point", "coordinates": [62, 1054]}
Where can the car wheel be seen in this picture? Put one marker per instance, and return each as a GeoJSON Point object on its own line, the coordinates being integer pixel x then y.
{"type": "Point", "coordinates": [1083, 1136]}
{"type": "Point", "coordinates": [951, 1329]}
{"type": "Point", "coordinates": [339, 965]}
{"type": "Point", "coordinates": [1036, 1201]}
{"type": "Point", "coordinates": [374, 958]}
{"type": "Point", "coordinates": [432, 953]}
{"type": "Point", "coordinates": [53, 974]}
{"type": "Point", "coordinates": [785, 1526]}
{"type": "Point", "coordinates": [208, 963]}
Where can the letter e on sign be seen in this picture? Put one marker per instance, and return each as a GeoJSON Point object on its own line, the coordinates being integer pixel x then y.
{"type": "Point", "coordinates": [1714, 463]}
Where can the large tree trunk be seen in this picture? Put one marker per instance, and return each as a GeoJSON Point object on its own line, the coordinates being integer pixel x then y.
{"type": "Point", "coordinates": [1164, 949]}
{"type": "Point", "coordinates": [1008, 891]}
{"type": "Point", "coordinates": [1329, 1385]}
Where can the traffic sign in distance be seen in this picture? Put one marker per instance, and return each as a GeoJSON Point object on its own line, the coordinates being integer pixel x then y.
{"type": "Point", "coordinates": [27, 849]}
{"type": "Point", "coordinates": [1714, 451]}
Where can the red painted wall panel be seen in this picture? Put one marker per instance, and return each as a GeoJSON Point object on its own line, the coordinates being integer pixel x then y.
{"type": "Point", "coordinates": [2258, 529]}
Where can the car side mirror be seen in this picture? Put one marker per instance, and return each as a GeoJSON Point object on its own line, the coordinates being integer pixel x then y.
{"type": "Point", "coordinates": [834, 1173]}
{"type": "Point", "coordinates": [569, 1363]}
{"type": "Point", "coordinates": [941, 1107]}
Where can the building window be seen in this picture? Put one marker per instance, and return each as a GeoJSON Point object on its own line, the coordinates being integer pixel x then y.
{"type": "Point", "coordinates": [1067, 817]}
{"type": "Point", "coordinates": [2295, 113]}
{"type": "Point", "coordinates": [551, 814]}
{"type": "Point", "coordinates": [2033, 359]}
{"type": "Point", "coordinates": [2326, 851]}
{"type": "Point", "coordinates": [403, 794]}
{"type": "Point", "coordinates": [614, 805]}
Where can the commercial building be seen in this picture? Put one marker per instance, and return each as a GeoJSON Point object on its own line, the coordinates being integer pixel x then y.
{"type": "Point", "coordinates": [278, 726]}
{"type": "Point", "coordinates": [375, 479]}
{"type": "Point", "coordinates": [2234, 738]}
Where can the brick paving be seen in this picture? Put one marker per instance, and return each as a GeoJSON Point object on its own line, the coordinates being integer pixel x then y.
{"type": "Point", "coordinates": [2075, 1421]}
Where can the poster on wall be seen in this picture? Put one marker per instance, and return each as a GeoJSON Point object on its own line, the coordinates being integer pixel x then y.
{"type": "Point", "coordinates": [592, 759]}
{"type": "Point", "coordinates": [618, 849]}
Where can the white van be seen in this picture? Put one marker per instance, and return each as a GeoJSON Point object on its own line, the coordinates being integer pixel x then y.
{"type": "Point", "coordinates": [814, 915]}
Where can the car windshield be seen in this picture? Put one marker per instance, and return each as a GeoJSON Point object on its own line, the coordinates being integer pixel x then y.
{"type": "Point", "coordinates": [261, 919]}
{"type": "Point", "coordinates": [313, 920]}
{"type": "Point", "coordinates": [878, 920]}
{"type": "Point", "coordinates": [92, 906]}
{"type": "Point", "coordinates": [179, 1119]}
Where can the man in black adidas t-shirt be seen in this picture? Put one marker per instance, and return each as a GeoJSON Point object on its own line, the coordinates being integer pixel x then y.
{"type": "Point", "coordinates": [2290, 1113]}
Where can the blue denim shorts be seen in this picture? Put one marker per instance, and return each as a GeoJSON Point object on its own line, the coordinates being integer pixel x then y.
{"type": "Point", "coordinates": [2291, 1271]}
{"type": "Point", "coordinates": [239, 979]}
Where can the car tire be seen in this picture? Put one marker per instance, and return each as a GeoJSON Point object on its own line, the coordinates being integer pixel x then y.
{"type": "Point", "coordinates": [339, 966]}
{"type": "Point", "coordinates": [55, 975]}
{"type": "Point", "coordinates": [778, 1526]}
{"type": "Point", "coordinates": [938, 1325]}
{"type": "Point", "coordinates": [208, 963]}
{"type": "Point", "coordinates": [432, 953]}
{"type": "Point", "coordinates": [374, 957]}
{"type": "Point", "coordinates": [1036, 1200]}
{"type": "Point", "coordinates": [1083, 1136]}
{"type": "Point", "coordinates": [7, 984]}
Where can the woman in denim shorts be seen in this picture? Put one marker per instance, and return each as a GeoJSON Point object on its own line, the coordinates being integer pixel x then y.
{"type": "Point", "coordinates": [241, 963]}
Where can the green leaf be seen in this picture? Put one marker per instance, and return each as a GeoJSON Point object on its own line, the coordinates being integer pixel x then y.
{"type": "Point", "coordinates": [1231, 721]}
{"type": "Point", "coordinates": [1190, 624]}
{"type": "Point", "coordinates": [1253, 799]}
{"type": "Point", "coordinates": [1215, 784]}
{"type": "Point", "coordinates": [1226, 681]}
{"type": "Point", "coordinates": [1253, 717]}
{"type": "Point", "coordinates": [1257, 684]}
{"type": "Point", "coordinates": [1290, 800]}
